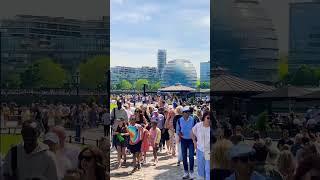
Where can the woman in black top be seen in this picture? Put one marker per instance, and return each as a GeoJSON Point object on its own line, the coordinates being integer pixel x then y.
{"type": "Point", "coordinates": [121, 143]}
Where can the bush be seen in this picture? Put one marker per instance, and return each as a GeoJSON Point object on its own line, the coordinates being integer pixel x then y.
{"type": "Point", "coordinates": [262, 124]}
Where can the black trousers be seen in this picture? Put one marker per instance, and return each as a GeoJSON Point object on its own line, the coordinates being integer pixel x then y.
{"type": "Point", "coordinates": [106, 129]}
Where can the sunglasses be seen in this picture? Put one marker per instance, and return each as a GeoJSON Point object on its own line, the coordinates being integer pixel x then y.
{"type": "Point", "coordinates": [86, 158]}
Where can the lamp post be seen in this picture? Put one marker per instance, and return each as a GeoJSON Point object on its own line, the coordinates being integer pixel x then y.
{"type": "Point", "coordinates": [77, 78]}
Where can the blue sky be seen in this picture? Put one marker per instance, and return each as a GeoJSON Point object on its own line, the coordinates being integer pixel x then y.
{"type": "Point", "coordinates": [140, 27]}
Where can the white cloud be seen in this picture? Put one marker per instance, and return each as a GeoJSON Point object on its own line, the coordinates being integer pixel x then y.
{"type": "Point", "coordinates": [205, 21]}
{"type": "Point", "coordinates": [136, 14]}
{"type": "Point", "coordinates": [118, 1]}
{"type": "Point", "coordinates": [131, 17]}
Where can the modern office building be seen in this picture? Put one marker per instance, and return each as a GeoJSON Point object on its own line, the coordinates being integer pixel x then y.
{"type": "Point", "coordinates": [205, 71]}
{"type": "Point", "coordinates": [304, 35]}
{"type": "Point", "coordinates": [162, 60]}
{"type": "Point", "coordinates": [132, 74]}
{"type": "Point", "coordinates": [27, 38]}
{"type": "Point", "coordinates": [179, 71]}
{"type": "Point", "coordinates": [244, 40]}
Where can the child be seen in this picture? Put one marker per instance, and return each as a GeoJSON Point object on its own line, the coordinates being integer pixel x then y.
{"type": "Point", "coordinates": [155, 137]}
{"type": "Point", "coordinates": [145, 143]}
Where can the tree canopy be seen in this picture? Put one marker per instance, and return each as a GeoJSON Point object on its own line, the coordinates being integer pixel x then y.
{"type": "Point", "coordinates": [43, 73]}
{"type": "Point", "coordinates": [93, 72]}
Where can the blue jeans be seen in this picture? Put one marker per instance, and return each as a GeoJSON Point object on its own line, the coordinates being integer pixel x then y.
{"type": "Point", "coordinates": [185, 145]}
{"type": "Point", "coordinates": [203, 165]}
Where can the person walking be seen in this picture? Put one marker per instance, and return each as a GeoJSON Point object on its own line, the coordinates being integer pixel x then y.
{"type": "Point", "coordinates": [135, 132]}
{"type": "Point", "coordinates": [155, 137]}
{"type": "Point", "coordinates": [31, 159]}
{"type": "Point", "coordinates": [145, 143]}
{"type": "Point", "coordinates": [117, 113]}
{"type": "Point", "coordinates": [184, 129]}
{"type": "Point", "coordinates": [178, 112]}
{"type": "Point", "coordinates": [121, 141]}
{"type": "Point", "coordinates": [106, 122]}
{"type": "Point", "coordinates": [160, 119]}
{"type": "Point", "coordinates": [201, 140]}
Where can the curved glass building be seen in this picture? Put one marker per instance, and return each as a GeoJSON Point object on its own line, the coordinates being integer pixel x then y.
{"type": "Point", "coordinates": [244, 40]}
{"type": "Point", "coordinates": [179, 71]}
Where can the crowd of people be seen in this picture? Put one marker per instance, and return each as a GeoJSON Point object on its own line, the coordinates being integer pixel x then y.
{"type": "Point", "coordinates": [47, 115]}
{"type": "Point", "coordinates": [153, 124]}
{"type": "Point", "coordinates": [263, 158]}
{"type": "Point", "coordinates": [49, 157]}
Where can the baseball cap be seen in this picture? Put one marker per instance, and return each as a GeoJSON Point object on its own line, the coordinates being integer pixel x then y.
{"type": "Point", "coordinates": [50, 136]}
{"type": "Point", "coordinates": [241, 150]}
{"type": "Point", "coordinates": [186, 109]}
{"type": "Point", "coordinates": [155, 110]}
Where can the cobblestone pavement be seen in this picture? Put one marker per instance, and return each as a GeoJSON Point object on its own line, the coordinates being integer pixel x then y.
{"type": "Point", "coordinates": [166, 168]}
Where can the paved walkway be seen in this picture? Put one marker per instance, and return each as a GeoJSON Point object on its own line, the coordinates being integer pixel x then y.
{"type": "Point", "coordinates": [166, 168]}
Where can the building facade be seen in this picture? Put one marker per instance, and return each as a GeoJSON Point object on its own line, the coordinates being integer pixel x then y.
{"type": "Point", "coordinates": [179, 71]}
{"type": "Point", "coordinates": [162, 60]}
{"type": "Point", "coordinates": [205, 71]}
{"type": "Point", "coordinates": [69, 42]}
{"type": "Point", "coordinates": [304, 35]}
{"type": "Point", "coordinates": [244, 40]}
{"type": "Point", "coordinates": [132, 74]}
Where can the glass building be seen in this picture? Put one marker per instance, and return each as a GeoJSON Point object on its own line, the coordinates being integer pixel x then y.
{"type": "Point", "coordinates": [26, 38]}
{"type": "Point", "coordinates": [162, 60]}
{"type": "Point", "coordinates": [179, 71]}
{"type": "Point", "coordinates": [244, 40]}
{"type": "Point", "coordinates": [205, 71]}
{"type": "Point", "coordinates": [304, 41]}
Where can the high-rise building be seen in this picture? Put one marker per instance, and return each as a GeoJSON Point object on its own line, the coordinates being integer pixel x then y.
{"type": "Point", "coordinates": [179, 71]}
{"type": "Point", "coordinates": [244, 40]}
{"type": "Point", "coordinates": [27, 38]}
{"type": "Point", "coordinates": [162, 60]}
{"type": "Point", "coordinates": [132, 74]}
{"type": "Point", "coordinates": [205, 71]}
{"type": "Point", "coordinates": [304, 35]}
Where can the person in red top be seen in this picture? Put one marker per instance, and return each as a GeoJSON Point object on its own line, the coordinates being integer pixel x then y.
{"type": "Point", "coordinates": [145, 143]}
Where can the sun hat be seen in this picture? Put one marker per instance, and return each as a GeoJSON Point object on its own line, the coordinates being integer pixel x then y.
{"type": "Point", "coordinates": [186, 109]}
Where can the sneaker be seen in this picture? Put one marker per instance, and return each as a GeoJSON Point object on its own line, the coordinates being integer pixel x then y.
{"type": "Point", "coordinates": [185, 175]}
{"type": "Point", "coordinates": [191, 176]}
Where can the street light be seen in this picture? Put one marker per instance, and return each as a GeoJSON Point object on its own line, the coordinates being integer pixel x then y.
{"type": "Point", "coordinates": [77, 81]}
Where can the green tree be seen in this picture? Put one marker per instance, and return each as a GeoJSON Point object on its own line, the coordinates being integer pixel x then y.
{"type": "Point", "coordinates": [93, 71]}
{"type": "Point", "coordinates": [198, 83]}
{"type": "Point", "coordinates": [304, 76]}
{"type": "Point", "coordinates": [43, 73]}
{"type": "Point", "coordinates": [139, 84]}
{"type": "Point", "coordinates": [11, 80]}
{"type": "Point", "coordinates": [262, 122]}
{"type": "Point", "coordinates": [204, 85]}
{"type": "Point", "coordinates": [124, 84]}
{"type": "Point", "coordinates": [155, 86]}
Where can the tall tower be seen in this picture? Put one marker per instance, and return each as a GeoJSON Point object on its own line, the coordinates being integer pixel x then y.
{"type": "Point", "coordinates": [162, 60]}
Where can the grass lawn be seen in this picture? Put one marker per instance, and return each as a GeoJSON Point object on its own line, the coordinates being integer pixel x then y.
{"type": "Point", "coordinates": [112, 106]}
{"type": "Point", "coordinates": [8, 140]}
